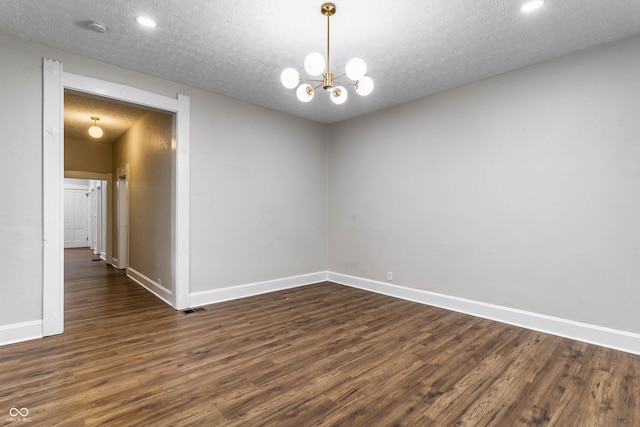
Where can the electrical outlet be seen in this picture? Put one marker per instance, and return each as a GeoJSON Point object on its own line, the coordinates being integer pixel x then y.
{"type": "Point", "coordinates": [389, 276]}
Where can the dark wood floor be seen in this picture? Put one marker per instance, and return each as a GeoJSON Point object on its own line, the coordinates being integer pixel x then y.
{"type": "Point", "coordinates": [318, 355]}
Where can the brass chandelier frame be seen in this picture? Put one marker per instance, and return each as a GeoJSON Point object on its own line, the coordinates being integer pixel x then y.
{"type": "Point", "coordinates": [329, 80]}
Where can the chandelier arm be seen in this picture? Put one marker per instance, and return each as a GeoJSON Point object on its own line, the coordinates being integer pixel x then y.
{"type": "Point", "coordinates": [356, 68]}
{"type": "Point", "coordinates": [328, 43]}
{"type": "Point", "coordinates": [354, 84]}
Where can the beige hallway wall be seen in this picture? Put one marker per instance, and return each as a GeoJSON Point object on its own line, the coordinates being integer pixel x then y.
{"type": "Point", "coordinates": [146, 149]}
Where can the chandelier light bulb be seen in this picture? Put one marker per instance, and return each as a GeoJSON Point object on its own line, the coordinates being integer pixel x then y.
{"type": "Point", "coordinates": [339, 95]}
{"type": "Point", "coordinates": [314, 64]}
{"type": "Point", "coordinates": [305, 93]}
{"type": "Point", "coordinates": [356, 69]}
{"type": "Point", "coordinates": [290, 78]}
{"type": "Point", "coordinates": [364, 86]}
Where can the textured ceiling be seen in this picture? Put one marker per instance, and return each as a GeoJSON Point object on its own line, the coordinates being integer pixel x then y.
{"type": "Point", "coordinates": [413, 48]}
{"type": "Point", "coordinates": [115, 118]}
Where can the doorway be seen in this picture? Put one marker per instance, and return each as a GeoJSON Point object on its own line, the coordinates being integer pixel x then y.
{"type": "Point", "coordinates": [101, 215]}
{"type": "Point", "coordinates": [123, 222]}
{"type": "Point", "coordinates": [85, 215]}
{"type": "Point", "coordinates": [55, 81]}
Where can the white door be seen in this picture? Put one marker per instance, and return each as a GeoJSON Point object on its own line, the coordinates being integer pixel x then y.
{"type": "Point", "coordinates": [76, 216]}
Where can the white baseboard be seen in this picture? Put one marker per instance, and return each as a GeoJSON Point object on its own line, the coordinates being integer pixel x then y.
{"type": "Point", "coordinates": [606, 337]}
{"type": "Point", "coordinates": [18, 332]}
{"type": "Point", "coordinates": [611, 338]}
{"type": "Point", "coordinates": [114, 262]}
{"type": "Point", "coordinates": [234, 292]}
{"type": "Point", "coordinates": [155, 288]}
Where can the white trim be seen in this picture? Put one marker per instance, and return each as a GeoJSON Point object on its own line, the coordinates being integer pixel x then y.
{"type": "Point", "coordinates": [55, 81]}
{"type": "Point", "coordinates": [53, 199]}
{"type": "Point", "coordinates": [18, 332]}
{"type": "Point", "coordinates": [76, 187]}
{"type": "Point", "coordinates": [181, 210]}
{"type": "Point", "coordinates": [606, 337]}
{"type": "Point", "coordinates": [121, 216]}
{"type": "Point", "coordinates": [235, 292]}
{"type": "Point", "coordinates": [119, 91]}
{"type": "Point", "coordinates": [154, 287]}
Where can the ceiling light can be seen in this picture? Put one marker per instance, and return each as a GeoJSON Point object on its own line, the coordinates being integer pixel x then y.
{"type": "Point", "coordinates": [145, 21]}
{"type": "Point", "coordinates": [532, 5]}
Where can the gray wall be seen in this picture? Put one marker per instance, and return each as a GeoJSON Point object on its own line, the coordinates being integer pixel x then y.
{"type": "Point", "coordinates": [521, 190]}
{"type": "Point", "coordinates": [258, 196]}
{"type": "Point", "coordinates": [250, 166]}
{"type": "Point", "coordinates": [20, 168]}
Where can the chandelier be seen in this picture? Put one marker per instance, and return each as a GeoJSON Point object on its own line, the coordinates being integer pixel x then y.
{"type": "Point", "coordinates": [314, 64]}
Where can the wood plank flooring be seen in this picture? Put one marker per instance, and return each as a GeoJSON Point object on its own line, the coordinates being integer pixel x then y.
{"type": "Point", "coordinates": [319, 355]}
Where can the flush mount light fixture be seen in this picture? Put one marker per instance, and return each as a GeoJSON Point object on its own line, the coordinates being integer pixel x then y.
{"type": "Point", "coordinates": [532, 5]}
{"type": "Point", "coordinates": [95, 131]}
{"type": "Point", "coordinates": [314, 64]}
{"type": "Point", "coordinates": [145, 21]}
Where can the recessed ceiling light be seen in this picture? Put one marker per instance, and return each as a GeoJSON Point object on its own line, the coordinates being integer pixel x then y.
{"type": "Point", "coordinates": [532, 5]}
{"type": "Point", "coordinates": [145, 21]}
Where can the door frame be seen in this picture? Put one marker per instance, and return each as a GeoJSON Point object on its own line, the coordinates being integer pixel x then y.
{"type": "Point", "coordinates": [122, 218]}
{"type": "Point", "coordinates": [91, 221]}
{"type": "Point", "coordinates": [55, 81]}
{"type": "Point", "coordinates": [107, 181]}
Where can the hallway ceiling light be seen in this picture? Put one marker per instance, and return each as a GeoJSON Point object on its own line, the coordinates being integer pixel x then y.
{"type": "Point", "coordinates": [314, 64]}
{"type": "Point", "coordinates": [145, 21]}
{"type": "Point", "coordinates": [532, 5]}
{"type": "Point", "coordinates": [95, 131]}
